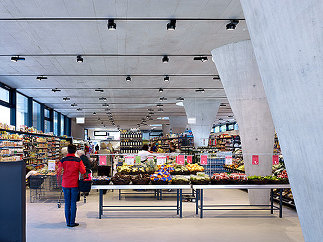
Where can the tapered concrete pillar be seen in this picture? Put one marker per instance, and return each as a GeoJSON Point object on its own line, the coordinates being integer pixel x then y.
{"type": "Point", "coordinates": [166, 129]}
{"type": "Point", "coordinates": [178, 124]}
{"type": "Point", "coordinates": [238, 70]}
{"type": "Point", "coordinates": [287, 38]}
{"type": "Point", "coordinates": [201, 115]}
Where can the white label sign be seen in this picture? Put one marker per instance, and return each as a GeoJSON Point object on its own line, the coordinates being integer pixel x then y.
{"type": "Point", "coordinates": [51, 165]}
{"type": "Point", "coordinates": [161, 160]}
{"type": "Point", "coordinates": [228, 160]}
{"type": "Point", "coordinates": [130, 160]}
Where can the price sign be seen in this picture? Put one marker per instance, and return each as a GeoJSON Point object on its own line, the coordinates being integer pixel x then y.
{"type": "Point", "coordinates": [228, 160]}
{"type": "Point", "coordinates": [189, 159]}
{"type": "Point", "coordinates": [130, 160]}
{"type": "Point", "coordinates": [255, 160]}
{"type": "Point", "coordinates": [51, 165]}
{"type": "Point", "coordinates": [203, 159]}
{"type": "Point", "coordinates": [150, 158]}
{"type": "Point", "coordinates": [102, 160]}
{"type": "Point", "coordinates": [275, 160]}
{"type": "Point", "coordinates": [161, 160]}
{"type": "Point", "coordinates": [138, 159]}
{"type": "Point", "coordinates": [180, 159]}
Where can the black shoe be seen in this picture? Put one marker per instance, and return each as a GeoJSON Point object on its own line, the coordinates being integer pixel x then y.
{"type": "Point", "coordinates": [74, 225]}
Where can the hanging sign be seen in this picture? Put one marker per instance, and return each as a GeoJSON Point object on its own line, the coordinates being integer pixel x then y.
{"type": "Point", "coordinates": [255, 160]}
{"type": "Point", "coordinates": [180, 159]}
{"type": "Point", "coordinates": [228, 160]}
{"type": "Point", "coordinates": [275, 160]}
{"type": "Point", "coordinates": [51, 165]}
{"type": "Point", "coordinates": [130, 160]}
{"type": "Point", "coordinates": [161, 160]}
{"type": "Point", "coordinates": [138, 160]}
{"type": "Point", "coordinates": [102, 160]}
{"type": "Point", "coordinates": [203, 159]}
{"type": "Point", "coordinates": [189, 159]}
{"type": "Point", "coordinates": [150, 158]}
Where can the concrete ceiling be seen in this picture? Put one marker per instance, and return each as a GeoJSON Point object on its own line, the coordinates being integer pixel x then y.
{"type": "Point", "coordinates": [128, 101]}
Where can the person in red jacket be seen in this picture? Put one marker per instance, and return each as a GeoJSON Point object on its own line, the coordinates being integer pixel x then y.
{"type": "Point", "coordinates": [72, 166]}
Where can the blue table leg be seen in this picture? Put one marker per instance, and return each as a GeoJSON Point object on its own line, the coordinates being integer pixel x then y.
{"type": "Point", "coordinates": [119, 194]}
{"type": "Point", "coordinates": [100, 203]}
{"type": "Point", "coordinates": [197, 201]}
{"type": "Point", "coordinates": [272, 201]}
{"type": "Point", "coordinates": [177, 201]}
{"type": "Point", "coordinates": [280, 202]}
{"type": "Point", "coordinates": [181, 203]}
{"type": "Point", "coordinates": [201, 202]}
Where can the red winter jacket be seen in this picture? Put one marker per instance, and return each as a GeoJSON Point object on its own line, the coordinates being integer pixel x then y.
{"type": "Point", "coordinates": [72, 166]}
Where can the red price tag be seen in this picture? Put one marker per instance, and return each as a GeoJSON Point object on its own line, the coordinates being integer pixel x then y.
{"type": "Point", "coordinates": [255, 159]}
{"type": "Point", "coordinates": [180, 159]}
{"type": "Point", "coordinates": [189, 159]}
{"type": "Point", "coordinates": [275, 160]}
{"type": "Point", "coordinates": [203, 159]}
{"type": "Point", "coordinates": [102, 160]}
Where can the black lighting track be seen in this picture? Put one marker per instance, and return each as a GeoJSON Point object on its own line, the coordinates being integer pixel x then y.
{"type": "Point", "coordinates": [114, 75]}
{"type": "Point", "coordinates": [115, 19]}
{"type": "Point", "coordinates": [106, 55]}
{"type": "Point", "coordinates": [121, 88]}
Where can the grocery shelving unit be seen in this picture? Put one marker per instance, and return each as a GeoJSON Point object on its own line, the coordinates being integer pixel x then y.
{"type": "Point", "coordinates": [130, 141]}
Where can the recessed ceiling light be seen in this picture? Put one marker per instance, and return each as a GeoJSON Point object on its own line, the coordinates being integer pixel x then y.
{"type": "Point", "coordinates": [17, 58]}
{"type": "Point", "coordinates": [232, 25]}
{"type": "Point", "coordinates": [66, 98]}
{"type": "Point", "coordinates": [201, 58]}
{"type": "Point", "coordinates": [111, 24]}
{"type": "Point", "coordinates": [165, 59]}
{"type": "Point", "coordinates": [161, 90]}
{"type": "Point", "coordinates": [128, 78]}
{"type": "Point", "coordinates": [79, 59]}
{"type": "Point", "coordinates": [39, 78]}
{"type": "Point", "coordinates": [166, 78]}
{"type": "Point", "coordinates": [99, 90]}
{"type": "Point", "coordinates": [171, 25]}
{"type": "Point", "coordinates": [56, 90]}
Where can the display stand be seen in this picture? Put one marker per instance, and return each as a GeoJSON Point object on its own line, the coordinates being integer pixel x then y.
{"type": "Point", "coordinates": [13, 201]}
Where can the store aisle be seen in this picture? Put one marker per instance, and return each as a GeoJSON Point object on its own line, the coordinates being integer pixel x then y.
{"type": "Point", "coordinates": [45, 222]}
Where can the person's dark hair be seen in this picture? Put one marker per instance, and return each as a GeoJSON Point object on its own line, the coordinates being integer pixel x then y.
{"type": "Point", "coordinates": [71, 149]}
{"type": "Point", "coordinates": [145, 147]}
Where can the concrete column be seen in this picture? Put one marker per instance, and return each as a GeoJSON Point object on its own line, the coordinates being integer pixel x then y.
{"type": "Point", "coordinates": [178, 124]}
{"type": "Point", "coordinates": [237, 67]}
{"type": "Point", "coordinates": [201, 115]}
{"type": "Point", "coordinates": [166, 129]}
{"type": "Point", "coordinates": [287, 39]}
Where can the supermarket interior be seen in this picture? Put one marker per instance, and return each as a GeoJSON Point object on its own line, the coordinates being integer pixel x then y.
{"type": "Point", "coordinates": [169, 120]}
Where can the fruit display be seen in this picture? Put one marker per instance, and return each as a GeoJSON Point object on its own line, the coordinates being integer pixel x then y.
{"type": "Point", "coordinates": [194, 168]}
{"type": "Point", "coordinates": [101, 180]}
{"type": "Point", "coordinates": [120, 179]}
{"type": "Point", "coordinates": [180, 170]}
{"type": "Point", "coordinates": [266, 180]}
{"type": "Point", "coordinates": [162, 176]}
{"type": "Point", "coordinates": [200, 179]}
{"type": "Point", "coordinates": [140, 179]}
{"type": "Point", "coordinates": [180, 180]}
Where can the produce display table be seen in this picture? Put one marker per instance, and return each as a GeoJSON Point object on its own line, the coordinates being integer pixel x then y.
{"type": "Point", "coordinates": [202, 207]}
{"type": "Point", "coordinates": [178, 207]}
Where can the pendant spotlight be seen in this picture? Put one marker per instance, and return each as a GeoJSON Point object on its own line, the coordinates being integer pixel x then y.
{"type": "Point", "coordinates": [94, 113]}
{"type": "Point", "coordinates": [111, 24]}
{"type": "Point", "coordinates": [99, 90]}
{"type": "Point", "coordinates": [17, 58]}
{"type": "Point", "coordinates": [56, 90]}
{"type": "Point", "coordinates": [74, 105]}
{"type": "Point", "coordinates": [201, 58]}
{"type": "Point", "coordinates": [165, 59]}
{"type": "Point", "coordinates": [200, 90]}
{"type": "Point", "coordinates": [66, 98]}
{"type": "Point", "coordinates": [161, 90]}
{"type": "Point", "coordinates": [39, 78]}
{"type": "Point", "coordinates": [166, 78]}
{"type": "Point", "coordinates": [79, 59]}
{"type": "Point", "coordinates": [128, 78]}
{"type": "Point", "coordinates": [232, 25]}
{"type": "Point", "coordinates": [171, 25]}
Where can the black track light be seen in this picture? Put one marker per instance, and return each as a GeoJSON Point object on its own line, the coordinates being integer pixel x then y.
{"type": "Point", "coordinates": [232, 25]}
{"type": "Point", "coordinates": [99, 90]}
{"type": "Point", "coordinates": [180, 99]}
{"type": "Point", "coordinates": [74, 105]}
{"type": "Point", "coordinates": [94, 113]}
{"type": "Point", "coordinates": [200, 90]}
{"type": "Point", "coordinates": [105, 105]}
{"type": "Point", "coordinates": [223, 105]}
{"type": "Point", "coordinates": [171, 25]}
{"type": "Point", "coordinates": [128, 78]}
{"type": "Point", "coordinates": [39, 78]}
{"type": "Point", "coordinates": [163, 99]}
{"type": "Point", "coordinates": [165, 59]}
{"type": "Point", "coordinates": [160, 110]}
{"type": "Point", "coordinates": [166, 78]}
{"type": "Point", "coordinates": [102, 98]}
{"type": "Point", "coordinates": [56, 90]}
{"type": "Point", "coordinates": [66, 98]}
{"type": "Point", "coordinates": [79, 59]}
{"type": "Point", "coordinates": [161, 90]}
{"type": "Point", "coordinates": [201, 58]}
{"type": "Point", "coordinates": [17, 58]}
{"type": "Point", "coordinates": [79, 109]}
{"type": "Point", "coordinates": [159, 105]}
{"type": "Point", "coordinates": [230, 116]}
{"type": "Point", "coordinates": [111, 24]}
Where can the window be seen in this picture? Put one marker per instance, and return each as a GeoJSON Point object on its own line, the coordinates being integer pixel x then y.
{"type": "Point", "coordinates": [55, 123]}
{"type": "Point", "coordinates": [36, 116]}
{"type": "Point", "coordinates": [62, 124]}
{"type": "Point", "coordinates": [47, 113]}
{"type": "Point", "coordinates": [22, 110]}
{"type": "Point", "coordinates": [4, 95]}
{"type": "Point", "coordinates": [5, 115]}
{"type": "Point", "coordinates": [47, 126]}
{"type": "Point", "coordinates": [4, 106]}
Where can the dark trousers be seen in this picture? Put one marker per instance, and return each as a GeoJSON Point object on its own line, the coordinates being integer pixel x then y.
{"type": "Point", "coordinates": [70, 195]}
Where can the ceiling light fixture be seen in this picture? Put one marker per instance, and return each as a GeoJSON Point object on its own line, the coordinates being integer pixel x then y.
{"type": "Point", "coordinates": [66, 98]}
{"type": "Point", "coordinates": [94, 113]}
{"type": "Point", "coordinates": [180, 103]}
{"type": "Point", "coordinates": [163, 99]}
{"type": "Point", "coordinates": [99, 90]}
{"type": "Point", "coordinates": [232, 25]}
{"type": "Point", "coordinates": [200, 58]}
{"type": "Point", "coordinates": [160, 110]}
{"type": "Point", "coordinates": [171, 25]}
{"type": "Point", "coordinates": [102, 98]}
{"type": "Point", "coordinates": [180, 99]}
{"type": "Point", "coordinates": [79, 109]}
{"type": "Point", "coordinates": [159, 105]}
{"type": "Point", "coordinates": [223, 105]}
{"type": "Point", "coordinates": [128, 78]}
{"type": "Point", "coordinates": [105, 105]}
{"type": "Point", "coordinates": [200, 90]}
{"type": "Point", "coordinates": [17, 58]}
{"type": "Point", "coordinates": [161, 90]}
{"type": "Point", "coordinates": [111, 24]}
{"type": "Point", "coordinates": [79, 59]}
{"type": "Point", "coordinates": [56, 90]}
{"type": "Point", "coordinates": [166, 78]}
{"type": "Point", "coordinates": [39, 78]}
{"type": "Point", "coordinates": [74, 105]}
{"type": "Point", "coordinates": [165, 59]}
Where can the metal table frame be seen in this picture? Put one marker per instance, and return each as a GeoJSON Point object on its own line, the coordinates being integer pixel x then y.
{"type": "Point", "coordinates": [178, 207]}
{"type": "Point", "coordinates": [202, 207]}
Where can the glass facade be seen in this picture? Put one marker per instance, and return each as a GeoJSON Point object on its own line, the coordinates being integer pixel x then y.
{"type": "Point", "coordinates": [47, 113]}
{"type": "Point", "coordinates": [21, 110]}
{"type": "Point", "coordinates": [4, 94]}
{"type": "Point", "coordinates": [36, 116]}
{"type": "Point", "coordinates": [62, 124]}
{"type": "Point", "coordinates": [5, 115]}
{"type": "Point", "coordinates": [56, 123]}
{"type": "Point", "coordinates": [47, 126]}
